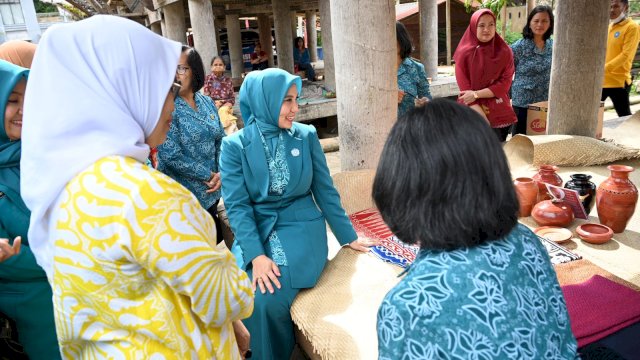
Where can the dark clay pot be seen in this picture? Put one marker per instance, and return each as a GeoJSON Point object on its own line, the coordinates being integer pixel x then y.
{"type": "Point", "coordinates": [584, 187]}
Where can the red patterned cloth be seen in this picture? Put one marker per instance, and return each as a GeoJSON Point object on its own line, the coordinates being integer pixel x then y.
{"type": "Point", "coordinates": [599, 307]}
{"type": "Point", "coordinates": [219, 88]}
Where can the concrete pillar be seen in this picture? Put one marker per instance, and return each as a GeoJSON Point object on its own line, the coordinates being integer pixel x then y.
{"type": "Point", "coordinates": [327, 45]}
{"type": "Point", "coordinates": [235, 45]}
{"type": "Point", "coordinates": [156, 27]}
{"type": "Point", "coordinates": [264, 27]}
{"type": "Point", "coordinates": [429, 37]}
{"type": "Point", "coordinates": [284, 41]}
{"type": "Point", "coordinates": [530, 5]}
{"type": "Point", "coordinates": [202, 24]}
{"type": "Point", "coordinates": [294, 24]}
{"type": "Point", "coordinates": [366, 85]}
{"type": "Point", "coordinates": [31, 21]}
{"type": "Point", "coordinates": [448, 30]}
{"type": "Point", "coordinates": [576, 80]}
{"type": "Point", "coordinates": [312, 35]}
{"type": "Point", "coordinates": [175, 27]}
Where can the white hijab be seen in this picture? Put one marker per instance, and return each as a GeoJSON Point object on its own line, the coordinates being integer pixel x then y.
{"type": "Point", "coordinates": [97, 88]}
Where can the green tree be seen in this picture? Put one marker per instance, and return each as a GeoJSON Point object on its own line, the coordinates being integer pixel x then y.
{"type": "Point", "coordinates": [494, 5]}
{"type": "Point", "coordinates": [42, 7]}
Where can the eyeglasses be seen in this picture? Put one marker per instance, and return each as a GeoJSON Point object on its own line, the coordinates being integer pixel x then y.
{"type": "Point", "coordinates": [181, 70]}
{"type": "Point", "coordinates": [175, 89]}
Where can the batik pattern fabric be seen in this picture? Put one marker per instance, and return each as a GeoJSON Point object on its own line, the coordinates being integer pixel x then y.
{"type": "Point", "coordinates": [278, 181]}
{"type": "Point", "coordinates": [219, 88]}
{"type": "Point", "coordinates": [499, 300]}
{"type": "Point", "coordinates": [137, 274]}
{"type": "Point", "coordinates": [412, 79]}
{"type": "Point", "coordinates": [533, 72]}
{"type": "Point", "coordinates": [191, 151]}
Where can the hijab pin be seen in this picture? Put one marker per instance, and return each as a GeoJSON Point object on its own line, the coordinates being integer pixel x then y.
{"type": "Point", "coordinates": [295, 152]}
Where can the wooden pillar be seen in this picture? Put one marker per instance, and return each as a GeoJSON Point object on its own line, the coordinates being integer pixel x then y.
{"type": "Point", "coordinates": [367, 88]}
{"type": "Point", "coordinates": [530, 5]}
{"type": "Point", "coordinates": [294, 24]}
{"type": "Point", "coordinates": [235, 45]}
{"type": "Point", "coordinates": [448, 30]}
{"type": "Point", "coordinates": [156, 28]}
{"type": "Point", "coordinates": [264, 28]}
{"type": "Point", "coordinates": [284, 41]}
{"type": "Point", "coordinates": [503, 17]}
{"type": "Point", "coordinates": [327, 45]}
{"type": "Point", "coordinates": [312, 35]}
{"type": "Point", "coordinates": [576, 80]}
{"type": "Point", "coordinates": [203, 26]}
{"type": "Point", "coordinates": [175, 26]}
{"type": "Point", "coordinates": [429, 37]}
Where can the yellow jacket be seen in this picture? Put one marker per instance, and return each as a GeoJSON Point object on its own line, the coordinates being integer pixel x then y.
{"type": "Point", "coordinates": [621, 49]}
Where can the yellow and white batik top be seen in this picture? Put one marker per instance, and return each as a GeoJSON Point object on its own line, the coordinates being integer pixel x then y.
{"type": "Point", "coordinates": [137, 274]}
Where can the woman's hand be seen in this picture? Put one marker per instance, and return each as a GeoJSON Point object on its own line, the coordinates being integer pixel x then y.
{"type": "Point", "coordinates": [421, 102]}
{"type": "Point", "coordinates": [213, 183]}
{"type": "Point", "coordinates": [363, 244]}
{"type": "Point", "coordinates": [467, 96]}
{"type": "Point", "coordinates": [243, 338]}
{"type": "Point", "coordinates": [7, 251]}
{"type": "Point", "coordinates": [265, 272]}
{"type": "Point", "coordinates": [400, 96]}
{"type": "Point", "coordinates": [219, 103]}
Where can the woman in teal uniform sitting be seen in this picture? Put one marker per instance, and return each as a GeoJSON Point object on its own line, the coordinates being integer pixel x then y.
{"type": "Point", "coordinates": [278, 194]}
{"type": "Point", "coordinates": [25, 294]}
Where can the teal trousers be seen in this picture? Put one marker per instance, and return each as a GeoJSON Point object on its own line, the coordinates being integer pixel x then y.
{"type": "Point", "coordinates": [270, 325]}
{"type": "Point", "coordinates": [30, 305]}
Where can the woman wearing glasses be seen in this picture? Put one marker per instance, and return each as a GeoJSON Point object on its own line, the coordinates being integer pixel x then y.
{"type": "Point", "coordinates": [129, 252]}
{"type": "Point", "coordinates": [192, 149]}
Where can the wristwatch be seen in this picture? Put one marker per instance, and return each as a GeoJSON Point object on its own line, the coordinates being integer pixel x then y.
{"type": "Point", "coordinates": [475, 95]}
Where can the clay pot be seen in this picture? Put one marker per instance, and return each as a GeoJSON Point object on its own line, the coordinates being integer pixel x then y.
{"type": "Point", "coordinates": [594, 233]}
{"type": "Point", "coordinates": [616, 198]}
{"type": "Point", "coordinates": [527, 192]}
{"type": "Point", "coordinates": [552, 213]}
{"type": "Point", "coordinates": [546, 174]}
{"type": "Point", "coordinates": [584, 187]}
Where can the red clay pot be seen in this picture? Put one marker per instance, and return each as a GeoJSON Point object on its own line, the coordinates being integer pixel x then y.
{"type": "Point", "coordinates": [616, 198]}
{"type": "Point", "coordinates": [594, 233]}
{"type": "Point", "coordinates": [552, 213]}
{"type": "Point", "coordinates": [546, 174]}
{"type": "Point", "coordinates": [527, 191]}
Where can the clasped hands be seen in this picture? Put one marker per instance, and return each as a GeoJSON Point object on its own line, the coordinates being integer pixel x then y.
{"type": "Point", "coordinates": [213, 183]}
{"type": "Point", "coordinates": [266, 272]}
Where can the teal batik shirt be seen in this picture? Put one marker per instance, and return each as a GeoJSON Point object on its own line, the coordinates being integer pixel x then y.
{"type": "Point", "coordinates": [499, 300]}
{"type": "Point", "coordinates": [412, 79]}
{"type": "Point", "coordinates": [533, 72]}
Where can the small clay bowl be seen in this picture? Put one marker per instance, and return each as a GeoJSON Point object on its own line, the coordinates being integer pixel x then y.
{"type": "Point", "coordinates": [554, 233]}
{"type": "Point", "coordinates": [594, 233]}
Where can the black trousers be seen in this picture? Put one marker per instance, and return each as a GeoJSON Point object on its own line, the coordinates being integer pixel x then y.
{"type": "Point", "coordinates": [620, 99]}
{"type": "Point", "coordinates": [502, 133]}
{"type": "Point", "coordinates": [521, 126]}
{"type": "Point", "coordinates": [213, 211]}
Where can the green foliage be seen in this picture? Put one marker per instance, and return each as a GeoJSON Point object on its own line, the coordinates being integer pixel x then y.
{"type": "Point", "coordinates": [77, 14]}
{"type": "Point", "coordinates": [42, 7]}
{"type": "Point", "coordinates": [511, 36]}
{"type": "Point", "coordinates": [493, 5]}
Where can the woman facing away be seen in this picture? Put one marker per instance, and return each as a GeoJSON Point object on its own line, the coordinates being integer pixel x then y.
{"type": "Point", "coordinates": [25, 293]}
{"type": "Point", "coordinates": [130, 252]}
{"type": "Point", "coordinates": [413, 86]}
{"type": "Point", "coordinates": [278, 194]}
{"type": "Point", "coordinates": [532, 60]}
{"type": "Point", "coordinates": [191, 152]}
{"type": "Point", "coordinates": [484, 70]}
{"type": "Point", "coordinates": [482, 285]}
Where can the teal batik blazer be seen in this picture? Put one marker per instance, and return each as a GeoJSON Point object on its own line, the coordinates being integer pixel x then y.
{"type": "Point", "coordinates": [298, 215]}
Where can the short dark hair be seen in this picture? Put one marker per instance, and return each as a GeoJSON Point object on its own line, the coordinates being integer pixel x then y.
{"type": "Point", "coordinates": [404, 40]}
{"type": "Point", "coordinates": [527, 33]}
{"type": "Point", "coordinates": [443, 181]}
{"type": "Point", "coordinates": [217, 57]}
{"type": "Point", "coordinates": [197, 68]}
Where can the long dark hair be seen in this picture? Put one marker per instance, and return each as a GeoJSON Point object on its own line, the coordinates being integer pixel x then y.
{"type": "Point", "coordinates": [527, 33]}
{"type": "Point", "coordinates": [197, 68]}
{"type": "Point", "coordinates": [404, 40]}
{"type": "Point", "coordinates": [443, 181]}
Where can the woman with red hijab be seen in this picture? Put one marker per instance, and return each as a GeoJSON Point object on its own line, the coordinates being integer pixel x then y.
{"type": "Point", "coordinates": [484, 71]}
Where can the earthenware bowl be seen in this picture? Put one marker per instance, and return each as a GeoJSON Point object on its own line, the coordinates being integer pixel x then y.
{"type": "Point", "coordinates": [554, 233]}
{"type": "Point", "coordinates": [594, 233]}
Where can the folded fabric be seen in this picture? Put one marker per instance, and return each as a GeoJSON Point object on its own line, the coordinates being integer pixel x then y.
{"type": "Point", "coordinates": [599, 307]}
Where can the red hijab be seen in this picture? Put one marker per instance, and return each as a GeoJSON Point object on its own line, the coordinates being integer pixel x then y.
{"type": "Point", "coordinates": [486, 65]}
